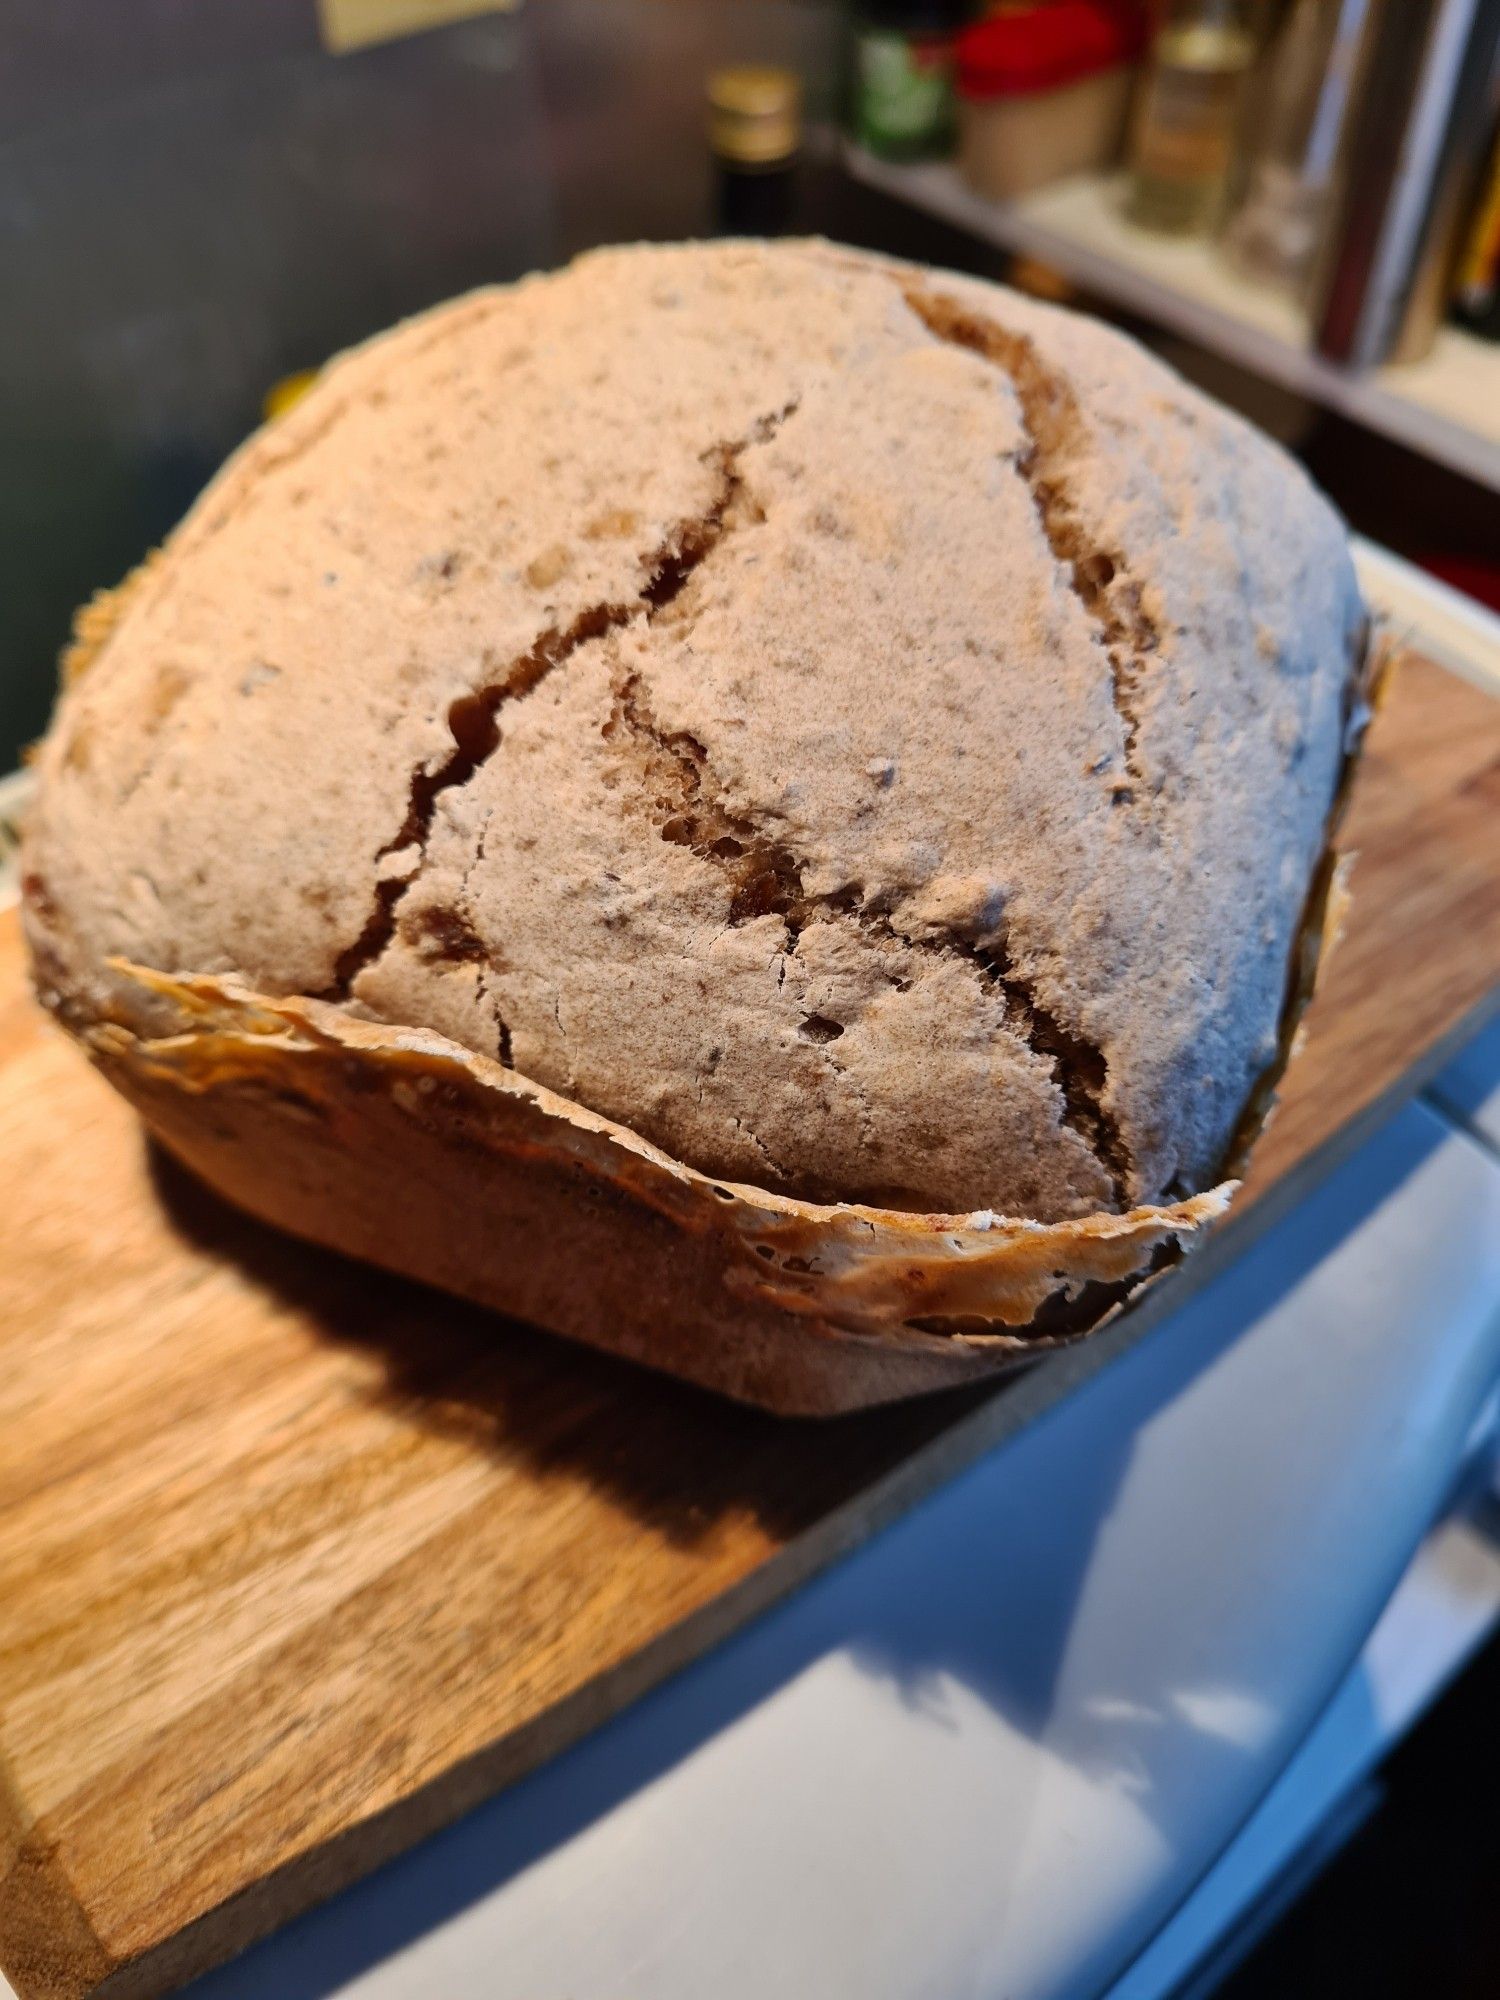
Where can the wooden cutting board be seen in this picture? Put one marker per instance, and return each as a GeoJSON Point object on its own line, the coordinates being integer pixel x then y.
{"type": "Point", "coordinates": [297, 1561]}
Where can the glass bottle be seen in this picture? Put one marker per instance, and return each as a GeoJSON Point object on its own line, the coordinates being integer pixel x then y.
{"type": "Point", "coordinates": [903, 104]}
{"type": "Point", "coordinates": [754, 133]}
{"type": "Point", "coordinates": [1182, 150]}
{"type": "Point", "coordinates": [1298, 113]}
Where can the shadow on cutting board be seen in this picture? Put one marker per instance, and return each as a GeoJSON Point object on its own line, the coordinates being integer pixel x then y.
{"type": "Point", "coordinates": [677, 1457]}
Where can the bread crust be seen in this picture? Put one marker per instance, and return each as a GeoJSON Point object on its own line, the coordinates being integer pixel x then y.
{"type": "Point", "coordinates": [964, 987]}
{"type": "Point", "coordinates": [401, 1148]}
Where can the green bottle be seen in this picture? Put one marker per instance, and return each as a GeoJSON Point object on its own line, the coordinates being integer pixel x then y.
{"type": "Point", "coordinates": [902, 101]}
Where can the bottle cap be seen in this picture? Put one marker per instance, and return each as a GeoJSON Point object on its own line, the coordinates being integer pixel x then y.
{"type": "Point", "coordinates": [754, 114]}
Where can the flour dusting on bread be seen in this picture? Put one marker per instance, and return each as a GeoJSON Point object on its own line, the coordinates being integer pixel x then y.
{"type": "Point", "coordinates": [871, 735]}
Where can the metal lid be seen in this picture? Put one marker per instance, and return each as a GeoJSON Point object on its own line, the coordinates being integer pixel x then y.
{"type": "Point", "coordinates": [754, 114]}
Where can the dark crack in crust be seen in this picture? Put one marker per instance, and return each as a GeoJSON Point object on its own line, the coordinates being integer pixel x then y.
{"type": "Point", "coordinates": [767, 880]}
{"type": "Point", "coordinates": [473, 718]}
{"type": "Point", "coordinates": [1098, 575]}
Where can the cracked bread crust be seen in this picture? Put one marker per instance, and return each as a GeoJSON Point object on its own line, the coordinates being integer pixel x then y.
{"type": "Point", "coordinates": [401, 1147]}
{"type": "Point", "coordinates": [866, 732]}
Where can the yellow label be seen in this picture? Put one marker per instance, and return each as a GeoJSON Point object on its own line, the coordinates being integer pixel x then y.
{"type": "Point", "coordinates": [356, 24]}
{"type": "Point", "coordinates": [281, 395]}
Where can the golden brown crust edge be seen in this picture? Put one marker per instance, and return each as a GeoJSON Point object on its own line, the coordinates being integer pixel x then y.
{"type": "Point", "coordinates": [404, 1149]}
{"type": "Point", "coordinates": [400, 1147]}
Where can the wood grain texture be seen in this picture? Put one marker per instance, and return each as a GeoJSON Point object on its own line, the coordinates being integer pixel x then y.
{"type": "Point", "coordinates": [298, 1561]}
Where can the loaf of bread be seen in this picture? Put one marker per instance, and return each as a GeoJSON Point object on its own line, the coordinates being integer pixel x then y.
{"type": "Point", "coordinates": [759, 807]}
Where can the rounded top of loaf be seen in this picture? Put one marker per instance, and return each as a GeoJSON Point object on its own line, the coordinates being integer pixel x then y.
{"type": "Point", "coordinates": [866, 731]}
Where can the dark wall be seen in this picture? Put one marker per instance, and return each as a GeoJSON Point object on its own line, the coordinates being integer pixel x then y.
{"type": "Point", "coordinates": [196, 199]}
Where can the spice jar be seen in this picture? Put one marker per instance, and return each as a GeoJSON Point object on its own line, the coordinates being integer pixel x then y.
{"type": "Point", "coordinates": [1043, 92]}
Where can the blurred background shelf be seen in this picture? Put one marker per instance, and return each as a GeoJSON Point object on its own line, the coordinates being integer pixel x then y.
{"type": "Point", "coordinates": [1446, 406]}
